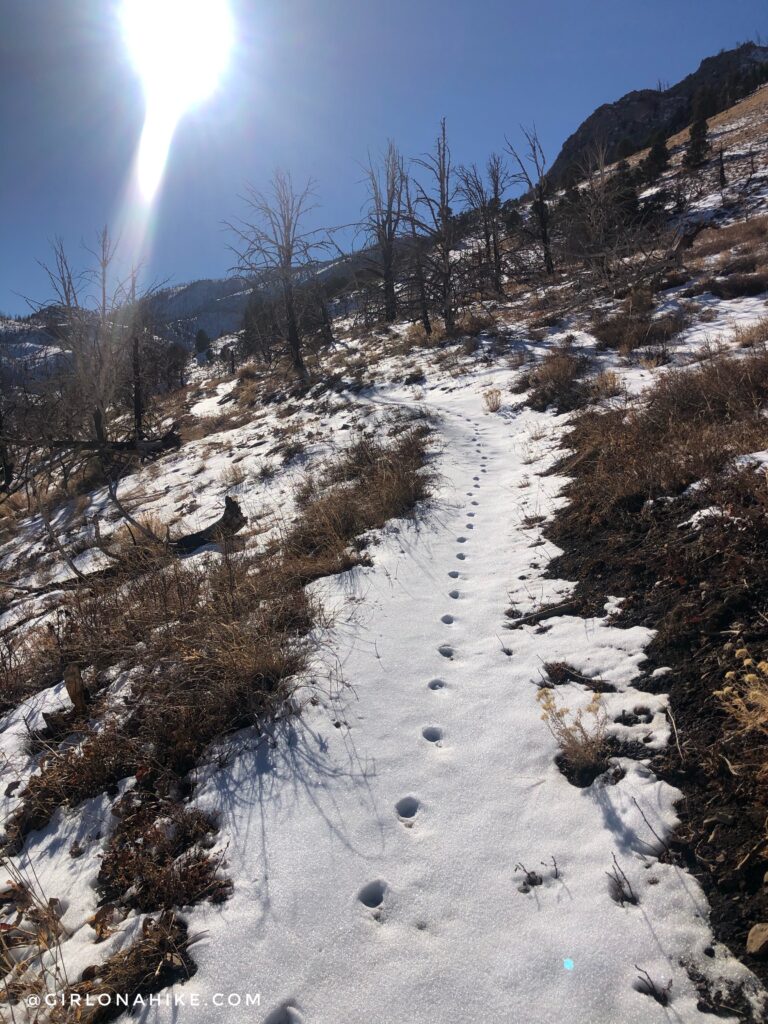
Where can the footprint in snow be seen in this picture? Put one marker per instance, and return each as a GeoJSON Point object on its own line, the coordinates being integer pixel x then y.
{"type": "Point", "coordinates": [454, 574]}
{"type": "Point", "coordinates": [285, 1014]}
{"type": "Point", "coordinates": [407, 809]}
{"type": "Point", "coordinates": [454, 594]}
{"type": "Point", "coordinates": [475, 477]}
{"type": "Point", "coordinates": [474, 503]}
{"type": "Point", "coordinates": [447, 619]}
{"type": "Point", "coordinates": [436, 684]}
{"type": "Point", "coordinates": [469, 526]}
{"type": "Point", "coordinates": [461, 540]}
{"type": "Point", "coordinates": [432, 733]}
{"type": "Point", "coordinates": [461, 556]}
{"type": "Point", "coordinates": [446, 650]}
{"type": "Point", "coordinates": [372, 895]}
{"type": "Point", "coordinates": [471, 515]}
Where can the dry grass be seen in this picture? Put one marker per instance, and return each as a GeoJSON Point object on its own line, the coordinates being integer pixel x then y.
{"type": "Point", "coordinates": [692, 420]}
{"type": "Point", "coordinates": [492, 399]}
{"type": "Point", "coordinates": [736, 285]}
{"type": "Point", "coordinates": [751, 335]}
{"type": "Point", "coordinates": [634, 325]}
{"type": "Point", "coordinates": [744, 235]}
{"type": "Point", "coordinates": [156, 856]}
{"type": "Point", "coordinates": [474, 321]}
{"type": "Point", "coordinates": [604, 385]}
{"type": "Point", "coordinates": [371, 484]}
{"type": "Point", "coordinates": [581, 735]}
{"type": "Point", "coordinates": [557, 380]}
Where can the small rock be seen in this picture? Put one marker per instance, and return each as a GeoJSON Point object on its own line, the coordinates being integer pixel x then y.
{"type": "Point", "coordinates": [757, 940]}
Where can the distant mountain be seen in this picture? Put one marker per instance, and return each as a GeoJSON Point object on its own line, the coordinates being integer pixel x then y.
{"type": "Point", "coordinates": [26, 346]}
{"type": "Point", "coordinates": [216, 306]}
{"type": "Point", "coordinates": [631, 122]}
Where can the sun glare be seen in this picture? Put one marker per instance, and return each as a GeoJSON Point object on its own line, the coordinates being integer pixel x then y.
{"type": "Point", "coordinates": [180, 49]}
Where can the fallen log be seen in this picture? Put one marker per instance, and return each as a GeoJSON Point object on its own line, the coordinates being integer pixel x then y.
{"type": "Point", "coordinates": [134, 448]}
{"type": "Point", "coordinates": [224, 528]}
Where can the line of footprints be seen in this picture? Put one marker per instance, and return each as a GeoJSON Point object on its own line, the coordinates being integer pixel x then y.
{"type": "Point", "coordinates": [372, 895]}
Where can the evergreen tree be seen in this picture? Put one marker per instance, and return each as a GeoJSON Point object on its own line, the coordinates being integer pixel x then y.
{"type": "Point", "coordinates": [721, 170]}
{"type": "Point", "coordinates": [657, 160]}
{"type": "Point", "coordinates": [698, 145]}
{"type": "Point", "coordinates": [202, 341]}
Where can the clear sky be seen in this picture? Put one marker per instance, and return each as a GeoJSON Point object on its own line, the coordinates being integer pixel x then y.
{"type": "Point", "coordinates": [312, 85]}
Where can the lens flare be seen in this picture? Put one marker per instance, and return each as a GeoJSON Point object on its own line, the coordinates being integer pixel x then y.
{"type": "Point", "coordinates": [180, 49]}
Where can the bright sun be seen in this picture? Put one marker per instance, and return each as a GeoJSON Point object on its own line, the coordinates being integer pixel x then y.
{"type": "Point", "coordinates": [180, 48]}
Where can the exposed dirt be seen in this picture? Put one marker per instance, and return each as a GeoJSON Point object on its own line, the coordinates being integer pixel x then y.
{"type": "Point", "coordinates": [704, 588]}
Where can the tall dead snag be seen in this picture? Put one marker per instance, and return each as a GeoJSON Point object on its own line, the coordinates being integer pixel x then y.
{"type": "Point", "coordinates": [382, 221]}
{"type": "Point", "coordinates": [433, 219]}
{"type": "Point", "coordinates": [274, 246]}
{"type": "Point", "coordinates": [416, 261]}
{"type": "Point", "coordinates": [484, 196]}
{"type": "Point", "coordinates": [532, 173]}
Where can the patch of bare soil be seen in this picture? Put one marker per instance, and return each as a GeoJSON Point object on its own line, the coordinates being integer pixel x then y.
{"type": "Point", "coordinates": [702, 583]}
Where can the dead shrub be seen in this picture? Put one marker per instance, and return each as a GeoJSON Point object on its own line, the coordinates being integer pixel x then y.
{"type": "Point", "coordinates": [604, 385]}
{"type": "Point", "coordinates": [474, 321]}
{"type": "Point", "coordinates": [737, 285]}
{"type": "Point", "coordinates": [751, 335]}
{"type": "Point", "coordinates": [634, 325]}
{"type": "Point", "coordinates": [158, 958]}
{"type": "Point", "coordinates": [248, 371]}
{"type": "Point", "coordinates": [492, 399]}
{"type": "Point", "coordinates": [556, 381]}
{"type": "Point", "coordinates": [30, 661]}
{"type": "Point", "coordinates": [581, 736]}
{"type": "Point", "coordinates": [733, 263]}
{"type": "Point", "coordinates": [155, 857]}
{"type": "Point", "coordinates": [416, 337]}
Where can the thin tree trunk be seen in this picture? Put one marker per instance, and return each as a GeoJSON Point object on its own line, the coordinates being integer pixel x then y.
{"type": "Point", "coordinates": [138, 402]}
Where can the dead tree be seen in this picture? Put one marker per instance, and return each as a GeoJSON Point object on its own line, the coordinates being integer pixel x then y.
{"type": "Point", "coordinates": [484, 196]}
{"type": "Point", "coordinates": [433, 218]}
{"type": "Point", "coordinates": [416, 261]}
{"type": "Point", "coordinates": [274, 245]}
{"type": "Point", "coordinates": [531, 173]}
{"type": "Point", "coordinates": [382, 222]}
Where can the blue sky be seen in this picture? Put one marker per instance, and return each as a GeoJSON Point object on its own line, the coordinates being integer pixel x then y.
{"type": "Point", "coordinates": [312, 86]}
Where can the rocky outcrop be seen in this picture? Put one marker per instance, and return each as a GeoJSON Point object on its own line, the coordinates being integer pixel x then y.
{"type": "Point", "coordinates": [631, 122]}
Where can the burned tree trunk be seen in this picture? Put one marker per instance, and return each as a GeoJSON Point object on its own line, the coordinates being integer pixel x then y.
{"type": "Point", "coordinates": [223, 529]}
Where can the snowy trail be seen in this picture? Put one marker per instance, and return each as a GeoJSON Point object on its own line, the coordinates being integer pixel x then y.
{"type": "Point", "coordinates": [375, 861]}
